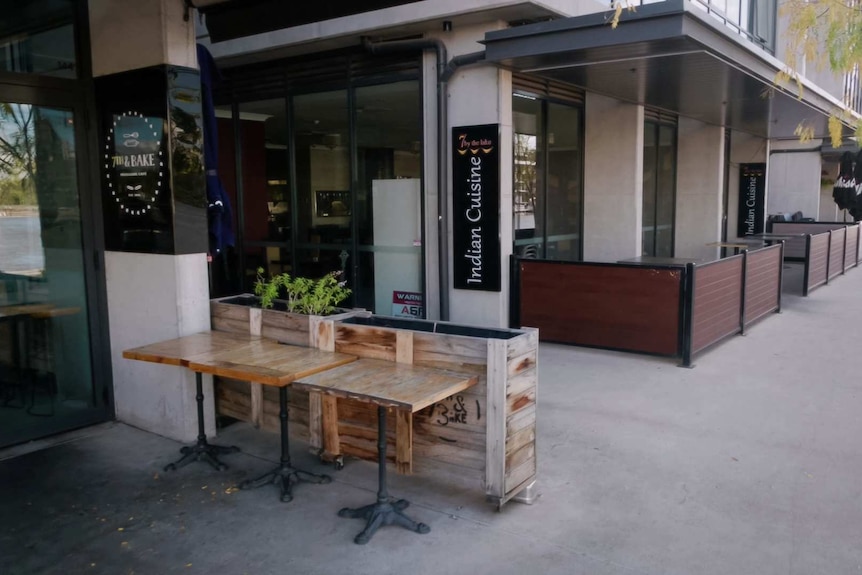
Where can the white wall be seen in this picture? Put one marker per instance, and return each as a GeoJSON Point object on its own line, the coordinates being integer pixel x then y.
{"type": "Point", "coordinates": [613, 179]}
{"type": "Point", "coordinates": [794, 178]}
{"type": "Point", "coordinates": [699, 189]}
{"type": "Point", "coordinates": [128, 35]}
{"type": "Point", "coordinates": [744, 149]}
{"type": "Point", "coordinates": [153, 298]}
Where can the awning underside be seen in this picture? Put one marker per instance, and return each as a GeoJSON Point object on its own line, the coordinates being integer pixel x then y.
{"type": "Point", "coordinates": [668, 58]}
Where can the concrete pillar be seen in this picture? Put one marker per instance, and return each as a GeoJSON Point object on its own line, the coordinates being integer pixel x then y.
{"type": "Point", "coordinates": [151, 297]}
{"type": "Point", "coordinates": [744, 149]}
{"type": "Point", "coordinates": [699, 189]}
{"type": "Point", "coordinates": [794, 178]}
{"type": "Point", "coordinates": [613, 179]}
{"type": "Point", "coordinates": [482, 95]}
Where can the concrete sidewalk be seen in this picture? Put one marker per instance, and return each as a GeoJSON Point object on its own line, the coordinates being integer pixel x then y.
{"type": "Point", "coordinates": [750, 463]}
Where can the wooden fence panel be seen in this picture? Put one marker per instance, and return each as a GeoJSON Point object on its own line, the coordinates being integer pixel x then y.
{"type": "Point", "coordinates": [816, 262]}
{"type": "Point", "coordinates": [836, 252]}
{"type": "Point", "coordinates": [717, 300]}
{"type": "Point", "coordinates": [628, 307]}
{"type": "Point", "coordinates": [762, 283]}
{"type": "Point", "coordinates": [851, 253]}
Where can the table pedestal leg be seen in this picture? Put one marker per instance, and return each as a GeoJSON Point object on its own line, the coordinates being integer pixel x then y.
{"type": "Point", "coordinates": [285, 475]}
{"type": "Point", "coordinates": [386, 511]}
{"type": "Point", "coordinates": [202, 450]}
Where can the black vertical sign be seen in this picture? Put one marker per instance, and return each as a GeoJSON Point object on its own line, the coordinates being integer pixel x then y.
{"type": "Point", "coordinates": [752, 199]}
{"type": "Point", "coordinates": [476, 207]}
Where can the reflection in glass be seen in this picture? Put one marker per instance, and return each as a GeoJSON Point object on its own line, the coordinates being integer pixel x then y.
{"type": "Point", "coordinates": [564, 183]}
{"type": "Point", "coordinates": [388, 196]}
{"type": "Point", "coordinates": [46, 380]}
{"type": "Point", "coordinates": [37, 37]}
{"type": "Point", "coordinates": [659, 189]}
{"type": "Point", "coordinates": [322, 159]}
{"type": "Point", "coordinates": [528, 188]}
{"type": "Point", "coordinates": [547, 171]}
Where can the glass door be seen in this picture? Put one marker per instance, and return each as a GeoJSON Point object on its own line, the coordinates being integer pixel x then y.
{"type": "Point", "coordinates": [46, 369]}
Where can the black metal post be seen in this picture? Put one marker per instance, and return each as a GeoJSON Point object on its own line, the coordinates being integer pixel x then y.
{"type": "Point", "coordinates": [385, 511]}
{"type": "Point", "coordinates": [284, 475]}
{"type": "Point", "coordinates": [382, 494]}
{"type": "Point", "coordinates": [780, 276]}
{"type": "Point", "coordinates": [199, 397]}
{"type": "Point", "coordinates": [202, 450]}
{"type": "Point", "coordinates": [828, 255]}
{"type": "Point", "coordinates": [805, 271]}
{"type": "Point", "coordinates": [688, 322]}
{"type": "Point", "coordinates": [282, 414]}
{"type": "Point", "coordinates": [742, 293]}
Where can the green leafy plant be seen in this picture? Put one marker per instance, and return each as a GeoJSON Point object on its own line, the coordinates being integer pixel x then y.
{"type": "Point", "coordinates": [303, 295]}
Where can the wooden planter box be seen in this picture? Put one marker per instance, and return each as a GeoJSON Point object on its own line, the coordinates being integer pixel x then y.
{"type": "Point", "coordinates": [256, 403]}
{"type": "Point", "coordinates": [487, 433]}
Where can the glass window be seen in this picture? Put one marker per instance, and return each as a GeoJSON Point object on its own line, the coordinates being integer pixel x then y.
{"type": "Point", "coordinates": [323, 192]}
{"type": "Point", "coordinates": [37, 37]}
{"type": "Point", "coordinates": [548, 178]}
{"type": "Point", "coordinates": [266, 215]}
{"type": "Point", "coordinates": [564, 183]}
{"type": "Point", "coordinates": [389, 198]}
{"type": "Point", "coordinates": [659, 189]}
{"type": "Point", "coordinates": [528, 170]}
{"type": "Point", "coordinates": [46, 382]}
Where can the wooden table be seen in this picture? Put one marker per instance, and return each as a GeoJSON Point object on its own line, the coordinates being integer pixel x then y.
{"type": "Point", "coordinates": [248, 358]}
{"type": "Point", "coordinates": [403, 387]}
{"type": "Point", "coordinates": [180, 352]}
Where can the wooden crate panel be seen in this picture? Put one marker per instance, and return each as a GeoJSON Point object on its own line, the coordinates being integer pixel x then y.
{"type": "Point", "coordinates": [365, 341]}
{"type": "Point", "coordinates": [517, 441]}
{"type": "Point", "coordinates": [522, 382]}
{"type": "Point", "coordinates": [517, 477]}
{"type": "Point", "coordinates": [229, 325]}
{"type": "Point", "coordinates": [851, 256]}
{"type": "Point", "coordinates": [836, 252]}
{"type": "Point", "coordinates": [229, 311]}
{"type": "Point", "coordinates": [450, 345]}
{"type": "Point", "coordinates": [452, 453]}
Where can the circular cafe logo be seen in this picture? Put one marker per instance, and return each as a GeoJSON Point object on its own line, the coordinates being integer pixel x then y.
{"type": "Point", "coordinates": [134, 162]}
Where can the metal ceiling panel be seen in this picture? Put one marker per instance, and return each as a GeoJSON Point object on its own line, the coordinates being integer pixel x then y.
{"type": "Point", "coordinates": [669, 58]}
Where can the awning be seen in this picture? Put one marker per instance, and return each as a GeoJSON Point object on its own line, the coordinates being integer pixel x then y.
{"type": "Point", "coordinates": [671, 55]}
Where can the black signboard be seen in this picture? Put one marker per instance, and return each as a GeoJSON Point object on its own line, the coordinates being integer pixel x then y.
{"type": "Point", "coordinates": [151, 159]}
{"type": "Point", "coordinates": [476, 207]}
{"type": "Point", "coordinates": [752, 199]}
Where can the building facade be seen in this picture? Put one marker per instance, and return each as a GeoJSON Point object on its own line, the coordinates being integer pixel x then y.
{"type": "Point", "coordinates": [412, 147]}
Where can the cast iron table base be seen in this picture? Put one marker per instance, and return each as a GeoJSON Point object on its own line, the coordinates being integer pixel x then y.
{"type": "Point", "coordinates": [202, 450]}
{"type": "Point", "coordinates": [285, 475]}
{"type": "Point", "coordinates": [386, 511]}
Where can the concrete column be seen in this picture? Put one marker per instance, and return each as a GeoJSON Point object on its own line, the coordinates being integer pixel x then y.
{"type": "Point", "coordinates": [744, 149]}
{"type": "Point", "coordinates": [613, 179]}
{"type": "Point", "coordinates": [699, 188]}
{"type": "Point", "coordinates": [151, 297]}
{"type": "Point", "coordinates": [482, 95]}
{"type": "Point", "coordinates": [794, 178]}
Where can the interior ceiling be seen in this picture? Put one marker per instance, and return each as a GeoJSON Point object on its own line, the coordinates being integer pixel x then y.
{"type": "Point", "coordinates": [680, 68]}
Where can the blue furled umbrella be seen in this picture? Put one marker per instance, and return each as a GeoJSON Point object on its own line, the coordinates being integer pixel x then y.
{"type": "Point", "coordinates": [219, 213]}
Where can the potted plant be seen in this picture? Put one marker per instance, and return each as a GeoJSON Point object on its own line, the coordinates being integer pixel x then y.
{"type": "Point", "coordinates": [303, 295]}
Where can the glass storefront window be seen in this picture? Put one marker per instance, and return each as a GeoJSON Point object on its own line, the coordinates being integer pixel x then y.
{"type": "Point", "coordinates": [548, 178]}
{"type": "Point", "coordinates": [659, 189]}
{"type": "Point", "coordinates": [388, 194]}
{"type": "Point", "coordinates": [46, 380]}
{"type": "Point", "coordinates": [37, 37]}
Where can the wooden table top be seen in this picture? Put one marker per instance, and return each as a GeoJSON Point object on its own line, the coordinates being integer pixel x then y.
{"type": "Point", "coordinates": [240, 356]}
{"type": "Point", "coordinates": [182, 350]}
{"type": "Point", "coordinates": [8, 311]}
{"type": "Point", "coordinates": [389, 384]}
{"type": "Point", "coordinates": [269, 362]}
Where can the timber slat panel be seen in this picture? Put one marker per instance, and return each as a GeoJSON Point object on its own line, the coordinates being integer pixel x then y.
{"type": "Point", "coordinates": [363, 341]}
{"type": "Point", "coordinates": [717, 300]}
{"type": "Point", "coordinates": [817, 260]}
{"type": "Point", "coordinates": [836, 252]}
{"type": "Point", "coordinates": [762, 284]}
{"type": "Point", "coordinates": [634, 308]}
{"type": "Point", "coordinates": [851, 258]}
